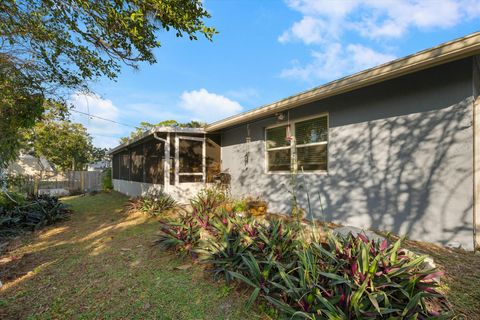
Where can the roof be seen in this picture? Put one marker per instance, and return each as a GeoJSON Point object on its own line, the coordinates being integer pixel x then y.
{"type": "Point", "coordinates": [156, 130]}
{"type": "Point", "coordinates": [446, 52]}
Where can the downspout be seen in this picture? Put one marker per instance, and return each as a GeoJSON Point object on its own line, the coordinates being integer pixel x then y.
{"type": "Point", "coordinates": [158, 138]}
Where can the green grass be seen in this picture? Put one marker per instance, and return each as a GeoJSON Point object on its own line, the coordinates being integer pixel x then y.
{"type": "Point", "coordinates": [102, 264]}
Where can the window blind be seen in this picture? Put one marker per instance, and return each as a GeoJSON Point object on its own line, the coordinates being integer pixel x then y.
{"type": "Point", "coordinates": [311, 131]}
{"type": "Point", "coordinates": [276, 137]}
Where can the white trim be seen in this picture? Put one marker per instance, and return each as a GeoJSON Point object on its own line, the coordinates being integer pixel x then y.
{"type": "Point", "coordinates": [312, 144]}
{"type": "Point", "coordinates": [177, 160]}
{"type": "Point", "coordinates": [190, 174]}
{"type": "Point", "coordinates": [190, 138]}
{"type": "Point", "coordinates": [278, 148]}
{"type": "Point", "coordinates": [204, 158]}
{"type": "Point", "coordinates": [166, 163]}
{"type": "Point", "coordinates": [293, 145]}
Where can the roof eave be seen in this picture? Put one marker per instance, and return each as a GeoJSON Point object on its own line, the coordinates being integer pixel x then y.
{"type": "Point", "coordinates": [446, 52]}
{"type": "Point", "coordinates": [156, 130]}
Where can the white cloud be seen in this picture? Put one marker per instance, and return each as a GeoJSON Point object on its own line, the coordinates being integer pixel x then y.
{"type": "Point", "coordinates": [324, 26]}
{"type": "Point", "coordinates": [310, 30]}
{"type": "Point", "coordinates": [206, 106]}
{"type": "Point", "coordinates": [104, 133]}
{"type": "Point", "coordinates": [335, 60]}
{"type": "Point", "coordinates": [324, 21]}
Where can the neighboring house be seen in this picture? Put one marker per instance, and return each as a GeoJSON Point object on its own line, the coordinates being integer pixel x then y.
{"type": "Point", "coordinates": [98, 166]}
{"type": "Point", "coordinates": [28, 165]}
{"type": "Point", "coordinates": [393, 148]}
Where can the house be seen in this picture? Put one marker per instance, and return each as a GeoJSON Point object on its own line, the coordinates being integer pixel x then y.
{"type": "Point", "coordinates": [28, 165]}
{"type": "Point", "coordinates": [98, 165]}
{"type": "Point", "coordinates": [393, 148]}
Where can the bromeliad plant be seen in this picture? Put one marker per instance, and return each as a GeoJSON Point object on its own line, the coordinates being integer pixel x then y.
{"type": "Point", "coordinates": [31, 215]}
{"type": "Point", "coordinates": [154, 203]}
{"type": "Point", "coordinates": [329, 278]}
{"type": "Point", "coordinates": [353, 278]}
{"type": "Point", "coordinates": [181, 235]}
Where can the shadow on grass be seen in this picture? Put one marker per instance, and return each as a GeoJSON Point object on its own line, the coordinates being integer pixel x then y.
{"type": "Point", "coordinates": [101, 264]}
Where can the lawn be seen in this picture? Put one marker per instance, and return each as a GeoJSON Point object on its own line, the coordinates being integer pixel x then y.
{"type": "Point", "coordinates": [102, 264]}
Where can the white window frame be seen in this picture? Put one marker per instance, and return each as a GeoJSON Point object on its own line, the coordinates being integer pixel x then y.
{"type": "Point", "coordinates": [293, 145]}
{"type": "Point", "coordinates": [203, 174]}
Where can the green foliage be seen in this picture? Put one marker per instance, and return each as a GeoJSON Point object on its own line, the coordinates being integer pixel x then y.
{"type": "Point", "coordinates": [67, 145]}
{"type": "Point", "coordinates": [31, 215]}
{"type": "Point", "coordinates": [181, 235]}
{"type": "Point", "coordinates": [21, 104]}
{"type": "Point", "coordinates": [338, 278]}
{"type": "Point", "coordinates": [154, 203]}
{"type": "Point", "coordinates": [50, 48]}
{"type": "Point", "coordinates": [70, 42]}
{"type": "Point", "coordinates": [107, 183]}
{"type": "Point", "coordinates": [351, 278]}
{"type": "Point", "coordinates": [146, 126]}
{"type": "Point", "coordinates": [208, 201]}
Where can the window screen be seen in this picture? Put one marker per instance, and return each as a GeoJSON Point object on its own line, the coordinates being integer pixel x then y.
{"type": "Point", "coordinates": [213, 160]}
{"type": "Point", "coordinates": [311, 131]}
{"type": "Point", "coordinates": [124, 173]}
{"type": "Point", "coordinates": [136, 154]}
{"type": "Point", "coordinates": [190, 158]}
{"type": "Point", "coordinates": [310, 147]}
{"type": "Point", "coordinates": [276, 137]}
{"type": "Point", "coordinates": [311, 142]}
{"type": "Point", "coordinates": [278, 149]}
{"type": "Point", "coordinates": [115, 166]}
{"type": "Point", "coordinates": [312, 157]}
{"type": "Point", "coordinates": [154, 155]}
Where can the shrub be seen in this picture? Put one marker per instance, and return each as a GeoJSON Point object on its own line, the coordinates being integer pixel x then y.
{"type": "Point", "coordinates": [31, 215]}
{"type": "Point", "coordinates": [209, 200]}
{"type": "Point", "coordinates": [107, 182]}
{"type": "Point", "coordinates": [181, 235]}
{"type": "Point", "coordinates": [154, 203]}
{"type": "Point", "coordinates": [329, 278]}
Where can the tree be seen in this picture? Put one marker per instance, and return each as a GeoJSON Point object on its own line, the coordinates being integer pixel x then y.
{"type": "Point", "coordinates": [20, 106]}
{"type": "Point", "coordinates": [146, 126]}
{"type": "Point", "coordinates": [52, 46]}
{"type": "Point", "coordinates": [67, 145]}
{"type": "Point", "coordinates": [68, 42]}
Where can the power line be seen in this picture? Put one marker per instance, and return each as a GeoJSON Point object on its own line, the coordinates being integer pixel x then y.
{"type": "Point", "coordinates": [101, 118]}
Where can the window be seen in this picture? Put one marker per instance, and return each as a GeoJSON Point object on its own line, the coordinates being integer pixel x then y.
{"type": "Point", "coordinates": [190, 160]}
{"type": "Point", "coordinates": [278, 149]}
{"type": "Point", "coordinates": [301, 146]}
{"type": "Point", "coordinates": [311, 137]}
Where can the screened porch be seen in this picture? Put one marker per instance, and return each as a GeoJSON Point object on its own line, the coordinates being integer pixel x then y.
{"type": "Point", "coordinates": [172, 159]}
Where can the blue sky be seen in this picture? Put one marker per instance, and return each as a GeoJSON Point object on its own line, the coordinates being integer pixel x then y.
{"type": "Point", "coordinates": [265, 51]}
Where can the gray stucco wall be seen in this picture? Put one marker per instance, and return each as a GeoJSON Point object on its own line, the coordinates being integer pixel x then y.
{"type": "Point", "coordinates": [400, 158]}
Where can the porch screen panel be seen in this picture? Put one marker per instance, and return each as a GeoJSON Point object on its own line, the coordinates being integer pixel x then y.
{"type": "Point", "coordinates": [154, 166]}
{"type": "Point", "coordinates": [190, 158]}
{"type": "Point", "coordinates": [124, 158]}
{"type": "Point", "coordinates": [136, 154]}
{"type": "Point", "coordinates": [116, 166]}
{"type": "Point", "coordinates": [278, 151]}
{"type": "Point", "coordinates": [312, 144]}
{"type": "Point", "coordinates": [213, 159]}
